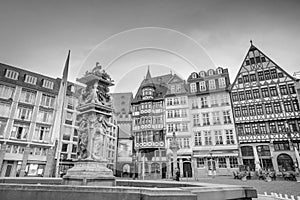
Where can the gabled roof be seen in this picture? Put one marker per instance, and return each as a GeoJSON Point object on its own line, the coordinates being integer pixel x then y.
{"type": "Point", "coordinates": [254, 52]}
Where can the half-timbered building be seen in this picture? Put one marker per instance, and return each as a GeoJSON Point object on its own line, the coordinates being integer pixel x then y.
{"type": "Point", "coordinates": [148, 127]}
{"type": "Point", "coordinates": [266, 112]}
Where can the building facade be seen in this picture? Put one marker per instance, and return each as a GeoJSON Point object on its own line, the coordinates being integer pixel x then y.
{"type": "Point", "coordinates": [266, 111]}
{"type": "Point", "coordinates": [122, 115]}
{"type": "Point", "coordinates": [148, 118]}
{"type": "Point", "coordinates": [28, 144]}
{"type": "Point", "coordinates": [178, 121]}
{"type": "Point", "coordinates": [214, 145]}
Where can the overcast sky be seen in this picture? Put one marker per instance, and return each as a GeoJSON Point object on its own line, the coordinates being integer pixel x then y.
{"type": "Point", "coordinates": [193, 35]}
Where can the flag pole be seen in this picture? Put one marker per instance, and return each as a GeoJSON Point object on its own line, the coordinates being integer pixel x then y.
{"type": "Point", "coordinates": [60, 112]}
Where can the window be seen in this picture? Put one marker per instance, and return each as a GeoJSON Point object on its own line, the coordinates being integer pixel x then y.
{"type": "Point", "coordinates": [44, 116]}
{"type": "Point", "coordinates": [212, 84]}
{"type": "Point", "coordinates": [67, 133]}
{"type": "Point", "coordinates": [281, 146]}
{"type": "Point", "coordinates": [200, 163]}
{"type": "Point", "coordinates": [244, 111]}
{"type": "Point", "coordinates": [224, 99]}
{"type": "Point", "coordinates": [64, 147]}
{"type": "Point", "coordinates": [202, 86]}
{"type": "Point", "coordinates": [273, 91]}
{"type": "Point", "coordinates": [30, 79]}
{"type": "Point", "coordinates": [48, 84]}
{"type": "Point", "coordinates": [71, 103]}
{"type": "Point", "coordinates": [273, 73]}
{"type": "Point", "coordinates": [283, 89]}
{"type": "Point", "coordinates": [176, 101]}
{"type": "Point", "coordinates": [288, 106]}
{"type": "Point", "coordinates": [268, 107]}
{"type": "Point", "coordinates": [252, 77]}
{"type": "Point", "coordinates": [222, 82]}
{"type": "Point", "coordinates": [219, 71]}
{"type": "Point", "coordinates": [216, 118]}
{"type": "Point", "coordinates": [262, 127]}
{"type": "Point", "coordinates": [229, 136]}
{"type": "Point", "coordinates": [11, 74]}
{"type": "Point", "coordinates": [210, 72]}
{"type": "Point", "coordinates": [2, 128]}
{"type": "Point", "coordinates": [172, 89]}
{"type": "Point", "coordinates": [273, 128]}
{"type": "Point", "coordinates": [295, 104]}
{"type": "Point", "coordinates": [248, 94]}
{"type": "Point", "coordinates": [257, 59]}
{"type": "Point", "coordinates": [202, 74]}
{"type": "Point", "coordinates": [247, 151]}
{"type": "Point", "coordinates": [222, 162]}
{"type": "Point", "coordinates": [242, 95]}
{"type": "Point", "coordinates": [252, 110]}
{"type": "Point", "coordinates": [240, 80]}
{"type": "Point", "coordinates": [227, 118]}
{"type": "Point", "coordinates": [240, 129]}
{"type": "Point", "coordinates": [263, 150]}
{"type": "Point", "coordinates": [218, 137]}
{"type": "Point", "coordinates": [265, 92]}
{"type": "Point", "coordinates": [281, 127]}
{"type": "Point", "coordinates": [261, 76]}
{"type": "Point", "coordinates": [27, 96]}
{"type": "Point", "coordinates": [178, 88]}
{"type": "Point", "coordinates": [169, 103]}
{"type": "Point", "coordinates": [237, 111]}
{"type": "Point", "coordinates": [20, 131]}
{"type": "Point", "coordinates": [259, 109]}
{"type": "Point", "coordinates": [247, 129]}
{"type": "Point", "coordinates": [204, 102]}
{"type": "Point", "coordinates": [207, 138]}
{"type": "Point", "coordinates": [69, 118]}
{"type": "Point", "coordinates": [235, 96]}
{"type": "Point", "coordinates": [186, 143]}
{"type": "Point", "coordinates": [42, 133]}
{"type": "Point", "coordinates": [194, 75]}
{"type": "Point", "coordinates": [205, 117]}
{"type": "Point", "coordinates": [246, 78]}
{"type": "Point", "coordinates": [267, 75]}
{"type": "Point", "coordinates": [24, 113]}
{"type": "Point", "coordinates": [277, 107]}
{"type": "Point", "coordinates": [291, 88]}
{"type": "Point", "coordinates": [6, 92]}
{"type": "Point", "coordinates": [198, 139]}
{"type": "Point", "coordinates": [213, 100]}
{"type": "Point", "coordinates": [47, 101]}
{"type": "Point", "coordinates": [5, 109]}
{"type": "Point", "coordinates": [255, 128]}
{"type": "Point", "coordinates": [256, 94]}
{"type": "Point", "coordinates": [196, 120]}
{"type": "Point", "coordinates": [194, 103]}
{"type": "Point", "coordinates": [193, 87]}
{"type": "Point", "coordinates": [182, 100]}
{"type": "Point", "coordinates": [233, 162]}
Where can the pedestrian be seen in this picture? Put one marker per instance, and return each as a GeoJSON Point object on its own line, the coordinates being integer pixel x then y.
{"type": "Point", "coordinates": [177, 174]}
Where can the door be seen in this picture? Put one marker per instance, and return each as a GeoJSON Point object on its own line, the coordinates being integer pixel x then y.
{"type": "Point", "coordinates": [8, 170]}
{"type": "Point", "coordinates": [187, 169]}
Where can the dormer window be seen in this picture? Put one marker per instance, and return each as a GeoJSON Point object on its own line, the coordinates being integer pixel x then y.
{"type": "Point", "coordinates": [210, 72]}
{"type": "Point", "coordinates": [48, 84]}
{"type": "Point", "coordinates": [219, 70]}
{"type": "Point", "coordinates": [147, 93]}
{"type": "Point", "coordinates": [11, 74]}
{"type": "Point", "coordinates": [194, 75]}
{"type": "Point", "coordinates": [30, 79]}
{"type": "Point", "coordinates": [202, 74]}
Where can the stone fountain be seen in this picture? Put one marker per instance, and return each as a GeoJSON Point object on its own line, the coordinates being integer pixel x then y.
{"type": "Point", "coordinates": [95, 126]}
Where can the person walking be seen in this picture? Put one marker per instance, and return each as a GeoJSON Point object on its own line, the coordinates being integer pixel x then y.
{"type": "Point", "coordinates": [177, 174]}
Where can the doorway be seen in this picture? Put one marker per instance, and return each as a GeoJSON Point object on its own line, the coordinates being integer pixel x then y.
{"type": "Point", "coordinates": [187, 169]}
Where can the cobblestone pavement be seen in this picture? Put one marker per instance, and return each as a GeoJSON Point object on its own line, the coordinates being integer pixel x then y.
{"type": "Point", "coordinates": [278, 186]}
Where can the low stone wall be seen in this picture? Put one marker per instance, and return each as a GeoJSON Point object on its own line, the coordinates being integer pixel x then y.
{"type": "Point", "coordinates": [125, 189]}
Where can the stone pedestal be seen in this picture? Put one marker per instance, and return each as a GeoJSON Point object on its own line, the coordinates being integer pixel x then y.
{"type": "Point", "coordinates": [89, 172]}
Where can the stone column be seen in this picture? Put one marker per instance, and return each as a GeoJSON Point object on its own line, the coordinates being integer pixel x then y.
{"type": "Point", "coordinates": [174, 146]}
{"type": "Point", "coordinates": [2, 154]}
{"type": "Point", "coordinates": [24, 161]}
{"type": "Point", "coordinates": [181, 167]}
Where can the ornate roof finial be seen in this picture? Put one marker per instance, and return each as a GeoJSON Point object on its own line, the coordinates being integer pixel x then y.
{"type": "Point", "coordinates": [251, 42]}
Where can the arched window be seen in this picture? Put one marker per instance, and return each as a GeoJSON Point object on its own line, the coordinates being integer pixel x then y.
{"type": "Point", "coordinates": [285, 162]}
{"type": "Point", "coordinates": [202, 74]}
{"type": "Point", "coordinates": [194, 75]}
{"type": "Point", "coordinates": [219, 70]}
